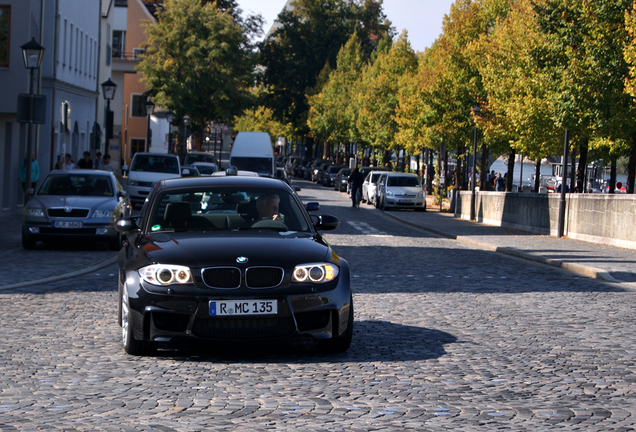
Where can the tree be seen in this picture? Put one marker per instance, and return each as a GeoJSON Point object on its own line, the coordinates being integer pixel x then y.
{"type": "Point", "coordinates": [197, 62]}
{"type": "Point", "coordinates": [378, 95]}
{"type": "Point", "coordinates": [307, 37]}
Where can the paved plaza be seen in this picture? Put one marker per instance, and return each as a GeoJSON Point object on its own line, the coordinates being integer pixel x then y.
{"type": "Point", "coordinates": [449, 335]}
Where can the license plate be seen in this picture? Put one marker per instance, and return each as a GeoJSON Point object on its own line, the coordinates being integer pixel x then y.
{"type": "Point", "coordinates": [66, 224]}
{"type": "Point", "coordinates": [243, 307]}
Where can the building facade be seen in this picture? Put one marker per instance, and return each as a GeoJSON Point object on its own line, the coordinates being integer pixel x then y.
{"type": "Point", "coordinates": [69, 31]}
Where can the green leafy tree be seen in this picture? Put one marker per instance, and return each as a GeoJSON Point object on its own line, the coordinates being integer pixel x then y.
{"type": "Point", "coordinates": [198, 62]}
{"type": "Point", "coordinates": [259, 119]}
{"type": "Point", "coordinates": [378, 95]}
{"type": "Point", "coordinates": [586, 43]}
{"type": "Point", "coordinates": [308, 36]}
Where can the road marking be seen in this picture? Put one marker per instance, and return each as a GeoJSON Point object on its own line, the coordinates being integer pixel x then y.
{"type": "Point", "coordinates": [365, 228]}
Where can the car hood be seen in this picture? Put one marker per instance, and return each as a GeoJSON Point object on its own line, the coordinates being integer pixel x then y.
{"type": "Point", "coordinates": [403, 190]}
{"type": "Point", "coordinates": [215, 249]}
{"type": "Point", "coordinates": [85, 202]}
{"type": "Point", "coordinates": [150, 176]}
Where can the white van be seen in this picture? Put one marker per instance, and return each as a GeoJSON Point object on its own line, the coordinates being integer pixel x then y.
{"type": "Point", "coordinates": [148, 168]}
{"type": "Point", "coordinates": [253, 151]}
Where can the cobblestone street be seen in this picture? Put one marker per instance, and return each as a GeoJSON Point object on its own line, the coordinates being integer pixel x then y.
{"type": "Point", "coordinates": [447, 337]}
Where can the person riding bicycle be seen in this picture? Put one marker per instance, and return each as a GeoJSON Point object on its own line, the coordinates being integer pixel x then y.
{"type": "Point", "coordinates": [355, 181]}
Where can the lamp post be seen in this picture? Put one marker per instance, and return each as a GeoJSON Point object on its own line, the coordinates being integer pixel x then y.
{"type": "Point", "coordinates": [150, 107]}
{"type": "Point", "coordinates": [108, 90]}
{"type": "Point", "coordinates": [169, 118]}
{"type": "Point", "coordinates": [476, 112]}
{"type": "Point", "coordinates": [32, 55]}
{"type": "Point", "coordinates": [186, 123]}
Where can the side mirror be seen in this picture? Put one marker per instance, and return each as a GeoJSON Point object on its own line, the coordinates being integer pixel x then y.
{"type": "Point", "coordinates": [326, 222]}
{"type": "Point", "coordinates": [312, 206]}
{"type": "Point", "coordinates": [126, 225]}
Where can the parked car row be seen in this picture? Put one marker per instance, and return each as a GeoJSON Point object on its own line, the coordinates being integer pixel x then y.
{"type": "Point", "coordinates": [386, 190]}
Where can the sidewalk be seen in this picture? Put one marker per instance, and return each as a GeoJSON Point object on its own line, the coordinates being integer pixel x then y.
{"type": "Point", "coordinates": [592, 260]}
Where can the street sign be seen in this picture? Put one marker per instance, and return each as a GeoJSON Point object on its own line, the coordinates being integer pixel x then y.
{"type": "Point", "coordinates": [31, 108]}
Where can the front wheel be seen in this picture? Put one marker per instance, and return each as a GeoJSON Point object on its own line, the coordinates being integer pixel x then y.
{"type": "Point", "coordinates": [339, 344]}
{"type": "Point", "coordinates": [131, 345]}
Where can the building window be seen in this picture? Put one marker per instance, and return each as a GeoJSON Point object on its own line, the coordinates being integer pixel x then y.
{"type": "Point", "coordinates": [5, 27]}
{"type": "Point", "coordinates": [138, 53]}
{"type": "Point", "coordinates": [138, 108]}
{"type": "Point", "coordinates": [119, 41]}
{"type": "Point", "coordinates": [137, 146]}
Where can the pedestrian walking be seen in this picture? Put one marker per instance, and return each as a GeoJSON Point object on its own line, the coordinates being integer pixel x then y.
{"type": "Point", "coordinates": [500, 184]}
{"type": "Point", "coordinates": [105, 165]}
{"type": "Point", "coordinates": [98, 160]}
{"type": "Point", "coordinates": [35, 171]}
{"type": "Point", "coordinates": [85, 162]}
{"type": "Point", "coordinates": [68, 162]}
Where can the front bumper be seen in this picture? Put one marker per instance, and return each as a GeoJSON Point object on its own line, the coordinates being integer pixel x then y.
{"type": "Point", "coordinates": [167, 317]}
{"type": "Point", "coordinates": [399, 202]}
{"type": "Point", "coordinates": [91, 229]}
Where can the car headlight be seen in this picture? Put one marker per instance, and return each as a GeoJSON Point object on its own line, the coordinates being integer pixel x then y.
{"type": "Point", "coordinates": [98, 214]}
{"type": "Point", "coordinates": [389, 193]}
{"type": "Point", "coordinates": [132, 183]}
{"type": "Point", "coordinates": [420, 195]}
{"type": "Point", "coordinates": [315, 273]}
{"type": "Point", "coordinates": [161, 274]}
{"type": "Point", "coordinates": [38, 212]}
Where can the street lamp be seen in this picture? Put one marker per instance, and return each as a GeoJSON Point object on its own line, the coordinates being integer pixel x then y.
{"type": "Point", "coordinates": [150, 107]}
{"type": "Point", "coordinates": [186, 123]}
{"type": "Point", "coordinates": [32, 54]}
{"type": "Point", "coordinates": [108, 90]}
{"type": "Point", "coordinates": [476, 112]}
{"type": "Point", "coordinates": [169, 118]}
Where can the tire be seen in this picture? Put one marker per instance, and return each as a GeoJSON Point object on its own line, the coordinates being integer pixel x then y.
{"type": "Point", "coordinates": [339, 344]}
{"type": "Point", "coordinates": [28, 242]}
{"type": "Point", "coordinates": [131, 345]}
{"type": "Point", "coordinates": [382, 206]}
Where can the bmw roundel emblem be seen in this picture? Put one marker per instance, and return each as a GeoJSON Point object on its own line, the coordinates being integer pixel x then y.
{"type": "Point", "coordinates": [241, 260]}
{"type": "Point", "coordinates": [67, 209]}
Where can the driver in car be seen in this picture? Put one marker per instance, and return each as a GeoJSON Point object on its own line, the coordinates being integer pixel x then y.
{"type": "Point", "coordinates": [267, 206]}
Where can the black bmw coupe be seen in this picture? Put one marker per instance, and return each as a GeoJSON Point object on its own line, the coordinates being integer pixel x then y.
{"type": "Point", "coordinates": [231, 259]}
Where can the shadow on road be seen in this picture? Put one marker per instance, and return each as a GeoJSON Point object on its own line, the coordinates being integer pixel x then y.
{"type": "Point", "coordinates": [372, 341]}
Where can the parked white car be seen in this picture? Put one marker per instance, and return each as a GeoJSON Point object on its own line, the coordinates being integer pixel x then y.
{"type": "Point", "coordinates": [400, 190]}
{"type": "Point", "coordinates": [369, 186]}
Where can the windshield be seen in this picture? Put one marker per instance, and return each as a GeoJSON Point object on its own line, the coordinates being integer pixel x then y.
{"type": "Point", "coordinates": [206, 169]}
{"type": "Point", "coordinates": [260, 165]}
{"type": "Point", "coordinates": [155, 163]}
{"type": "Point", "coordinates": [404, 181]}
{"type": "Point", "coordinates": [77, 184]}
{"type": "Point", "coordinates": [198, 157]}
{"type": "Point", "coordinates": [334, 169]}
{"type": "Point", "coordinates": [227, 208]}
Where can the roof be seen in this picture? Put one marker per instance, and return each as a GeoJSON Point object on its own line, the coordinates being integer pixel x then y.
{"type": "Point", "coordinates": [244, 181]}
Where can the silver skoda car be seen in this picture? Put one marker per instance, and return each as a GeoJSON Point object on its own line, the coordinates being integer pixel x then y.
{"type": "Point", "coordinates": [75, 204]}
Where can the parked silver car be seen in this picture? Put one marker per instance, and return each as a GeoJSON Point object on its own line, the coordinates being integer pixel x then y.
{"type": "Point", "coordinates": [75, 204]}
{"type": "Point", "coordinates": [400, 190]}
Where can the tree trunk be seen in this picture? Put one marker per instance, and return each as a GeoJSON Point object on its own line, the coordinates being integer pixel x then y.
{"type": "Point", "coordinates": [612, 180]}
{"type": "Point", "coordinates": [511, 169]}
{"type": "Point", "coordinates": [459, 172]}
{"type": "Point", "coordinates": [537, 176]}
{"type": "Point", "coordinates": [430, 172]}
{"type": "Point", "coordinates": [582, 169]}
{"type": "Point", "coordinates": [631, 166]}
{"type": "Point", "coordinates": [483, 168]}
{"type": "Point", "coordinates": [572, 172]}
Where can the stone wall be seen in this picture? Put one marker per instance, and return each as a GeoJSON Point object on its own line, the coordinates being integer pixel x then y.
{"type": "Point", "coordinates": [598, 218]}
